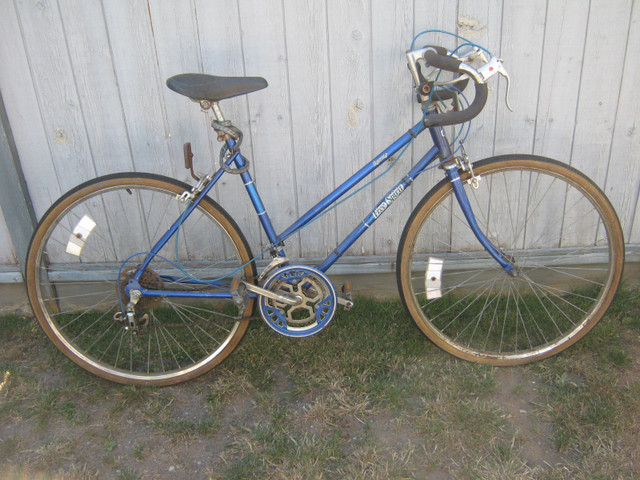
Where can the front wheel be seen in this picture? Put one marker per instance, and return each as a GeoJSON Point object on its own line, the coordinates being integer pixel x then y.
{"type": "Point", "coordinates": [551, 222]}
{"type": "Point", "coordinates": [90, 244]}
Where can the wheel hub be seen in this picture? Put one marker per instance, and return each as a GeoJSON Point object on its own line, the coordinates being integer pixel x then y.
{"type": "Point", "coordinates": [149, 280]}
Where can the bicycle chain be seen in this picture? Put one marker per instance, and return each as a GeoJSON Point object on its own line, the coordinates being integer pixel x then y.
{"type": "Point", "coordinates": [152, 281]}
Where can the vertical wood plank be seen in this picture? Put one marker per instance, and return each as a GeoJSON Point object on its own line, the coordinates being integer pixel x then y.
{"type": "Point", "coordinates": [392, 24]}
{"type": "Point", "coordinates": [598, 100]}
{"type": "Point", "coordinates": [523, 25]}
{"type": "Point", "coordinates": [600, 87]}
{"type": "Point", "coordinates": [20, 98]}
{"type": "Point", "coordinates": [221, 49]}
{"type": "Point", "coordinates": [175, 37]}
{"type": "Point", "coordinates": [522, 40]}
{"type": "Point", "coordinates": [129, 25]}
{"type": "Point", "coordinates": [56, 90]}
{"type": "Point", "coordinates": [86, 37]}
{"type": "Point", "coordinates": [177, 47]}
{"type": "Point", "coordinates": [349, 26]}
{"type": "Point", "coordinates": [308, 61]}
{"type": "Point", "coordinates": [481, 22]}
{"type": "Point", "coordinates": [264, 52]}
{"type": "Point", "coordinates": [623, 177]}
{"type": "Point", "coordinates": [141, 88]}
{"type": "Point", "coordinates": [563, 49]}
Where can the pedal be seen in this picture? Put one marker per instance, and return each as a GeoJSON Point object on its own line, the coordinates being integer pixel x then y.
{"type": "Point", "coordinates": [346, 300]}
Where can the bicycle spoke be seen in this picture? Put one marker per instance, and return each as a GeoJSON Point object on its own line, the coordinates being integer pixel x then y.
{"type": "Point", "coordinates": [556, 293]}
{"type": "Point", "coordinates": [162, 340]}
{"type": "Point", "coordinates": [186, 325]}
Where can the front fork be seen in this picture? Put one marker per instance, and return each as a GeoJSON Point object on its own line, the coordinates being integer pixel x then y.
{"type": "Point", "coordinates": [451, 169]}
{"type": "Point", "coordinates": [439, 137]}
{"type": "Point", "coordinates": [505, 262]}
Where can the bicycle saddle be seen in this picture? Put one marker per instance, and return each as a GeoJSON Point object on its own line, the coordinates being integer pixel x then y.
{"type": "Point", "coordinates": [201, 86]}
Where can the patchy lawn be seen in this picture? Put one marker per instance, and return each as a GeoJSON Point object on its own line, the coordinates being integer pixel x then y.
{"type": "Point", "coordinates": [368, 398]}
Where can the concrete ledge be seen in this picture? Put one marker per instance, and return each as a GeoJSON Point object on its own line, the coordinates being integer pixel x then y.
{"type": "Point", "coordinates": [13, 299]}
{"type": "Point", "coordinates": [348, 265]}
{"type": "Point", "coordinates": [368, 275]}
{"type": "Point", "coordinates": [10, 274]}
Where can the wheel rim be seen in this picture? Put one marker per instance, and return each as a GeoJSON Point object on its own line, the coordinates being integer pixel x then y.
{"type": "Point", "coordinates": [76, 267]}
{"type": "Point", "coordinates": [566, 248]}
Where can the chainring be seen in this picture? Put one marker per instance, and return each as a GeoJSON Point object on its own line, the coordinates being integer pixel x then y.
{"type": "Point", "coordinates": [317, 301]}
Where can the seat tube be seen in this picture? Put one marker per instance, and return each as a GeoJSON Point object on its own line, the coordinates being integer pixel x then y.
{"type": "Point", "coordinates": [240, 163]}
{"type": "Point", "coordinates": [255, 198]}
{"type": "Point", "coordinates": [259, 207]}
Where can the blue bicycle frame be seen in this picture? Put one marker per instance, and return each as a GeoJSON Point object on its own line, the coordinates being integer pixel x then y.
{"type": "Point", "coordinates": [441, 149]}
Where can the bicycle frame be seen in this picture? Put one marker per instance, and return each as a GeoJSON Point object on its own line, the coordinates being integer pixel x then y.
{"type": "Point", "coordinates": [440, 149]}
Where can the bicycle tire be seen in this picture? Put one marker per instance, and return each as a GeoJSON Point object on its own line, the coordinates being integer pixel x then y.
{"type": "Point", "coordinates": [89, 244]}
{"type": "Point", "coordinates": [558, 227]}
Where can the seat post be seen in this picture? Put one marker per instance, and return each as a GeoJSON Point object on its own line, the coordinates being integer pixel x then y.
{"type": "Point", "coordinates": [217, 112]}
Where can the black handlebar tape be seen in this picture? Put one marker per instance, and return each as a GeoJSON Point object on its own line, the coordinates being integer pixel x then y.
{"type": "Point", "coordinates": [439, 50]}
{"type": "Point", "coordinates": [455, 118]}
{"type": "Point", "coordinates": [443, 62]}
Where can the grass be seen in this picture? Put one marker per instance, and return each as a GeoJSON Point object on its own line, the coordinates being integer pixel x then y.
{"type": "Point", "coordinates": [367, 398]}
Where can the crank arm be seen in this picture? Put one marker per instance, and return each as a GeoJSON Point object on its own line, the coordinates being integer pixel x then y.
{"type": "Point", "coordinates": [286, 299]}
{"type": "Point", "coordinates": [347, 303]}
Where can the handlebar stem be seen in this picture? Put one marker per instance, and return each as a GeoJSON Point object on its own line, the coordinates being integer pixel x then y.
{"type": "Point", "coordinates": [442, 59]}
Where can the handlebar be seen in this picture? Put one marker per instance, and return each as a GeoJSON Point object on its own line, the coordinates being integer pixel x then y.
{"type": "Point", "coordinates": [440, 58]}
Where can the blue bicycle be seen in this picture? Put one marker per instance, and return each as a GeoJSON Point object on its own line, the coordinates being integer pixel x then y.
{"type": "Point", "coordinates": [142, 279]}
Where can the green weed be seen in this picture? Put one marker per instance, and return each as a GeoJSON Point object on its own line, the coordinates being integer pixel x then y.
{"type": "Point", "coordinates": [369, 397]}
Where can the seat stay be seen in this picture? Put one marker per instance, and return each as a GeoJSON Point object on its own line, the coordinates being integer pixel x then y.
{"type": "Point", "coordinates": [174, 227]}
{"type": "Point", "coordinates": [441, 149]}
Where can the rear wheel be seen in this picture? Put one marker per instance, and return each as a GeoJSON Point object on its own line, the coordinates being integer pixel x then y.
{"type": "Point", "coordinates": [555, 226]}
{"type": "Point", "coordinates": [90, 244]}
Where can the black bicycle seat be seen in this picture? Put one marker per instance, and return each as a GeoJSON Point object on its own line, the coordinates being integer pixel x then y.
{"type": "Point", "coordinates": [201, 86]}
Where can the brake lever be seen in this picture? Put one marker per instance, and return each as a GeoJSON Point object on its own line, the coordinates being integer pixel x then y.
{"type": "Point", "coordinates": [493, 66]}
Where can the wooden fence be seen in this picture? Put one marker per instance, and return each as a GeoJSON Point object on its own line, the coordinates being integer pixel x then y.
{"type": "Point", "coordinates": [83, 86]}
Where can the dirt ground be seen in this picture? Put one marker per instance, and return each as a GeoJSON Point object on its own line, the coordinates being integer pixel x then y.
{"type": "Point", "coordinates": [373, 400]}
{"type": "Point", "coordinates": [117, 437]}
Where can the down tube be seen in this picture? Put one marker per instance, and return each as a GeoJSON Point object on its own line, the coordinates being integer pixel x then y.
{"type": "Point", "coordinates": [350, 183]}
{"type": "Point", "coordinates": [380, 208]}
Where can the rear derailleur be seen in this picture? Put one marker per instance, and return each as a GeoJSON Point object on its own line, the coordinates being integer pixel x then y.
{"type": "Point", "coordinates": [132, 321]}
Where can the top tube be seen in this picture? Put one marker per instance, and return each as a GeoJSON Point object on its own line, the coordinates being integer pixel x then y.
{"type": "Point", "coordinates": [356, 178]}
